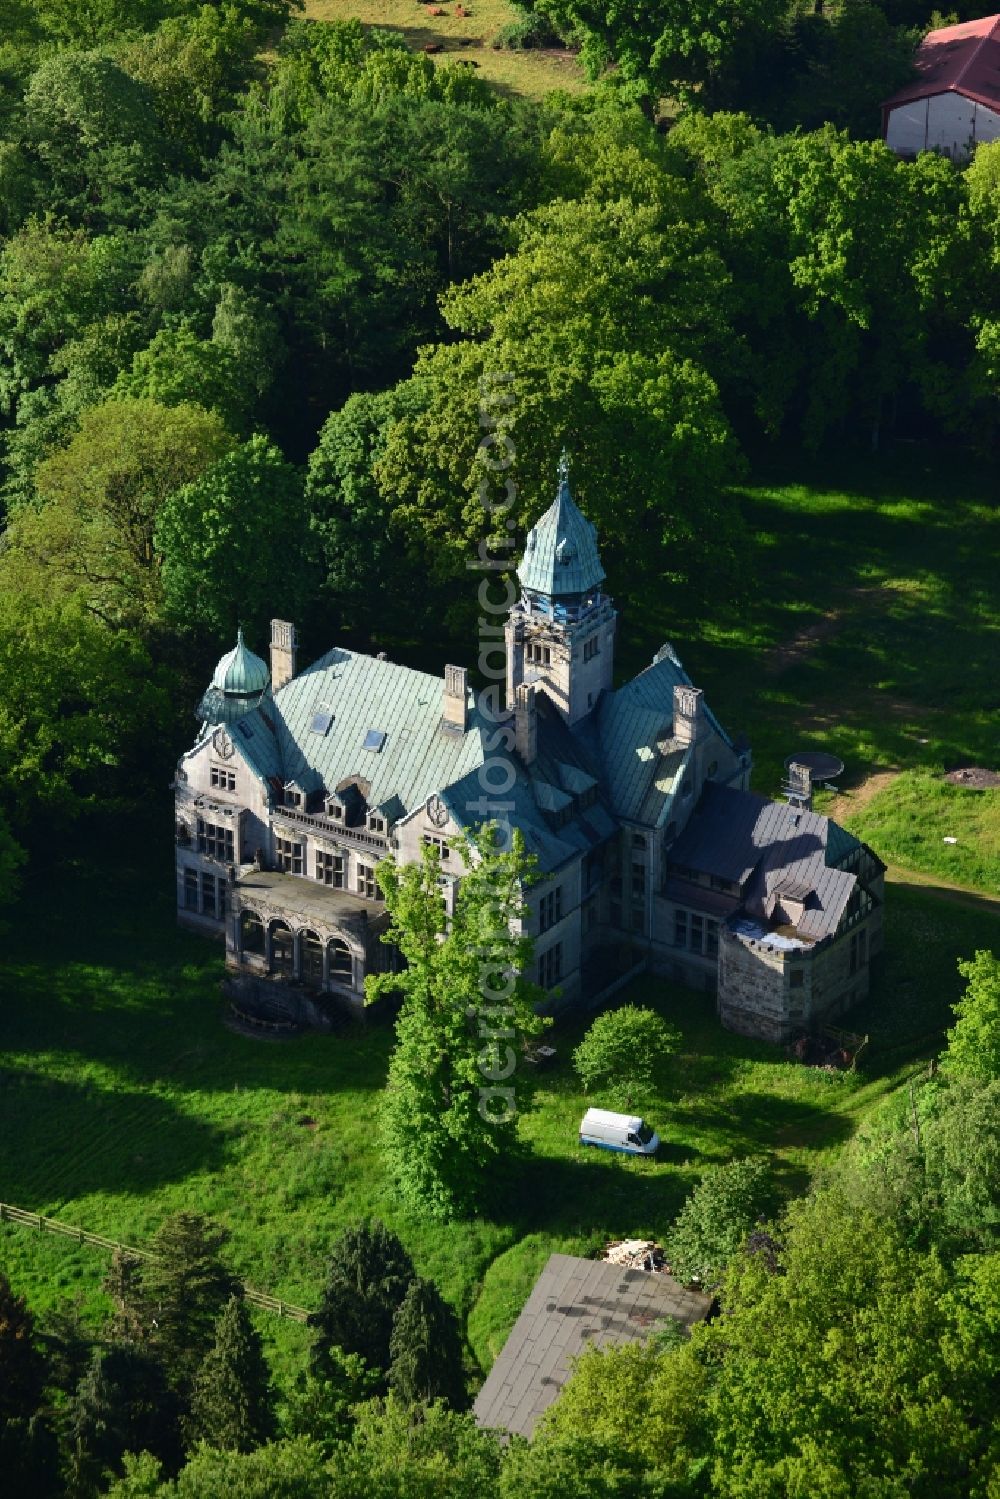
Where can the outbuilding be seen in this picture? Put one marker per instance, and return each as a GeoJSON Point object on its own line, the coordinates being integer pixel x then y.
{"type": "Point", "coordinates": [953, 103]}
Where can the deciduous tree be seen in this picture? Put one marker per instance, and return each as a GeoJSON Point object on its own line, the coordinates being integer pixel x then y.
{"type": "Point", "coordinates": [624, 1053]}
{"type": "Point", "coordinates": [454, 1090]}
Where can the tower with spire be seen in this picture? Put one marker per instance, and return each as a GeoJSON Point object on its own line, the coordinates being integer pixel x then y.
{"type": "Point", "coordinates": [560, 634]}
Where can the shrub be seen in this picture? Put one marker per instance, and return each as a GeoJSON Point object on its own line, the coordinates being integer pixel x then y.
{"type": "Point", "coordinates": [622, 1053]}
{"type": "Point", "coordinates": [717, 1218]}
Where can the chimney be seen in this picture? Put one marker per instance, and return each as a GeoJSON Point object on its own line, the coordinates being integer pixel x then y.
{"type": "Point", "coordinates": [798, 787]}
{"type": "Point", "coordinates": [455, 713]}
{"type": "Point", "coordinates": [283, 646]}
{"type": "Point", "coordinates": [525, 722]}
{"type": "Point", "coordinates": [689, 714]}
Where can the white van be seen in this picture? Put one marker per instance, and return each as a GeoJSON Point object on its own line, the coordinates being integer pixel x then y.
{"type": "Point", "coordinates": [621, 1132]}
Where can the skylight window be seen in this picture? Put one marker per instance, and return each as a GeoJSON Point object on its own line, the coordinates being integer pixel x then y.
{"type": "Point", "coordinates": [374, 740]}
{"type": "Point", "coordinates": [321, 721]}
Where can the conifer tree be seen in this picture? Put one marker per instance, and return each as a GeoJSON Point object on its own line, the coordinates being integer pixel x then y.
{"type": "Point", "coordinates": [426, 1349]}
{"type": "Point", "coordinates": [22, 1366]}
{"type": "Point", "coordinates": [232, 1403]}
{"type": "Point", "coordinates": [122, 1404]}
{"type": "Point", "coordinates": [123, 1284]}
{"type": "Point", "coordinates": [369, 1275]}
{"type": "Point", "coordinates": [185, 1288]}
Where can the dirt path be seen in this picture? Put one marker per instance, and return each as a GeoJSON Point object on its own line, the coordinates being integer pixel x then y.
{"type": "Point", "coordinates": [849, 802]}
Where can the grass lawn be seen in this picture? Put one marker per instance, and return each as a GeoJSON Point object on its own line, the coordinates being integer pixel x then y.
{"type": "Point", "coordinates": [871, 629]}
{"type": "Point", "coordinates": [124, 1098]}
{"type": "Point", "coordinates": [465, 38]}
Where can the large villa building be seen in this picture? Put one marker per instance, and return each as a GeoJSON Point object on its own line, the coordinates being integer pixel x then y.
{"type": "Point", "coordinates": [651, 849]}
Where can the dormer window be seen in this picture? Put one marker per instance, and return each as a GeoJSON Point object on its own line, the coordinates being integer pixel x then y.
{"type": "Point", "coordinates": [376, 824]}
{"type": "Point", "coordinates": [293, 798]}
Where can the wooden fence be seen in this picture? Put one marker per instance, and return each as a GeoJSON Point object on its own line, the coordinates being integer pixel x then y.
{"type": "Point", "coordinates": [43, 1225]}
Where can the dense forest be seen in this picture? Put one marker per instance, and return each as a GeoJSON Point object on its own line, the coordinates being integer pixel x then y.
{"type": "Point", "coordinates": [254, 271]}
{"type": "Point", "coordinates": [256, 274]}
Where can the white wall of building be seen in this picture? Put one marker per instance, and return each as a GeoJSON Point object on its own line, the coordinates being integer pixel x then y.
{"type": "Point", "coordinates": [948, 123]}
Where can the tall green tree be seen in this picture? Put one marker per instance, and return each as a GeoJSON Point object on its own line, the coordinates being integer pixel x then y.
{"type": "Point", "coordinates": [232, 1402]}
{"type": "Point", "coordinates": [454, 1089]}
{"type": "Point", "coordinates": [220, 536]}
{"type": "Point", "coordinates": [22, 1365]}
{"type": "Point", "coordinates": [426, 1349]}
{"type": "Point", "coordinates": [101, 495]}
{"type": "Point", "coordinates": [368, 1277]}
{"type": "Point", "coordinates": [717, 1218]}
{"type": "Point", "coordinates": [122, 1404]}
{"type": "Point", "coordinates": [974, 1041]}
{"type": "Point", "coordinates": [185, 1287]}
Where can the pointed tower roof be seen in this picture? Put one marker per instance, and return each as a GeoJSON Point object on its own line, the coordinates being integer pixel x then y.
{"type": "Point", "coordinates": [560, 555]}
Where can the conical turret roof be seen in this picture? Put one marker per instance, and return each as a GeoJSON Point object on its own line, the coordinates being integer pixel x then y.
{"type": "Point", "coordinates": [560, 555]}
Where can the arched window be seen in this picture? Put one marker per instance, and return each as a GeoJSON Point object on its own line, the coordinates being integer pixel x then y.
{"type": "Point", "coordinates": [282, 949]}
{"type": "Point", "coordinates": [251, 933]}
{"type": "Point", "coordinates": [341, 962]}
{"type": "Point", "coordinates": [312, 959]}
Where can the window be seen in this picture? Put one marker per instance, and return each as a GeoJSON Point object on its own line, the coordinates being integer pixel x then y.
{"type": "Point", "coordinates": [282, 949]}
{"type": "Point", "coordinates": [638, 881]}
{"type": "Point", "coordinates": [292, 798]}
{"type": "Point", "coordinates": [289, 855]}
{"type": "Point", "coordinates": [697, 931]}
{"type": "Point", "coordinates": [330, 868]}
{"type": "Point", "coordinates": [538, 655]}
{"type": "Point", "coordinates": [208, 894]}
{"type": "Point", "coordinates": [216, 842]}
{"type": "Point", "coordinates": [222, 779]}
{"type": "Point", "coordinates": [638, 840]}
{"type": "Point", "coordinates": [223, 900]}
{"type": "Point", "coordinates": [441, 844]}
{"type": "Point", "coordinates": [341, 965]}
{"type": "Point", "coordinates": [711, 939]}
{"type": "Point", "coordinates": [311, 953]}
{"type": "Point", "coordinates": [366, 882]}
{"type": "Point", "coordinates": [190, 889]}
{"type": "Point", "coordinates": [680, 929]}
{"type": "Point", "coordinates": [797, 978]}
{"type": "Point", "coordinates": [718, 883]}
{"type": "Point", "coordinates": [374, 740]}
{"type": "Point", "coordinates": [550, 909]}
{"type": "Point", "coordinates": [590, 648]}
{"type": "Point", "coordinates": [251, 933]}
{"type": "Point", "coordinates": [550, 966]}
{"type": "Point", "coordinates": [377, 824]}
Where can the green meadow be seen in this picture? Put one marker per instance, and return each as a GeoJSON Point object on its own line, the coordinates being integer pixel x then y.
{"type": "Point", "coordinates": [872, 630]}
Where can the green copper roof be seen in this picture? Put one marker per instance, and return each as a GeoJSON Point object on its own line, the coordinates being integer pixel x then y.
{"type": "Point", "coordinates": [240, 672]}
{"type": "Point", "coordinates": [560, 555]}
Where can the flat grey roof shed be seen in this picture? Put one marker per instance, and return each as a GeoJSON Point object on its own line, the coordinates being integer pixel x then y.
{"type": "Point", "coordinates": [575, 1304]}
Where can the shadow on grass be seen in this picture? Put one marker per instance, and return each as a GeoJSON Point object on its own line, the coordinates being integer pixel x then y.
{"type": "Point", "coordinates": [94, 1141]}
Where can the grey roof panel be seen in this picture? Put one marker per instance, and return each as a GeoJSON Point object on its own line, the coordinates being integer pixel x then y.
{"type": "Point", "coordinates": [574, 1303]}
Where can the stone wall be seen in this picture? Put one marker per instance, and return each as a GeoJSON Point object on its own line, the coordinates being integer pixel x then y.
{"type": "Point", "coordinates": [773, 993]}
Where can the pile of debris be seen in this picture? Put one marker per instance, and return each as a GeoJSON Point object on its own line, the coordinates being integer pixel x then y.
{"type": "Point", "coordinates": [833, 1050]}
{"type": "Point", "coordinates": [975, 777]}
{"type": "Point", "coordinates": [636, 1254]}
